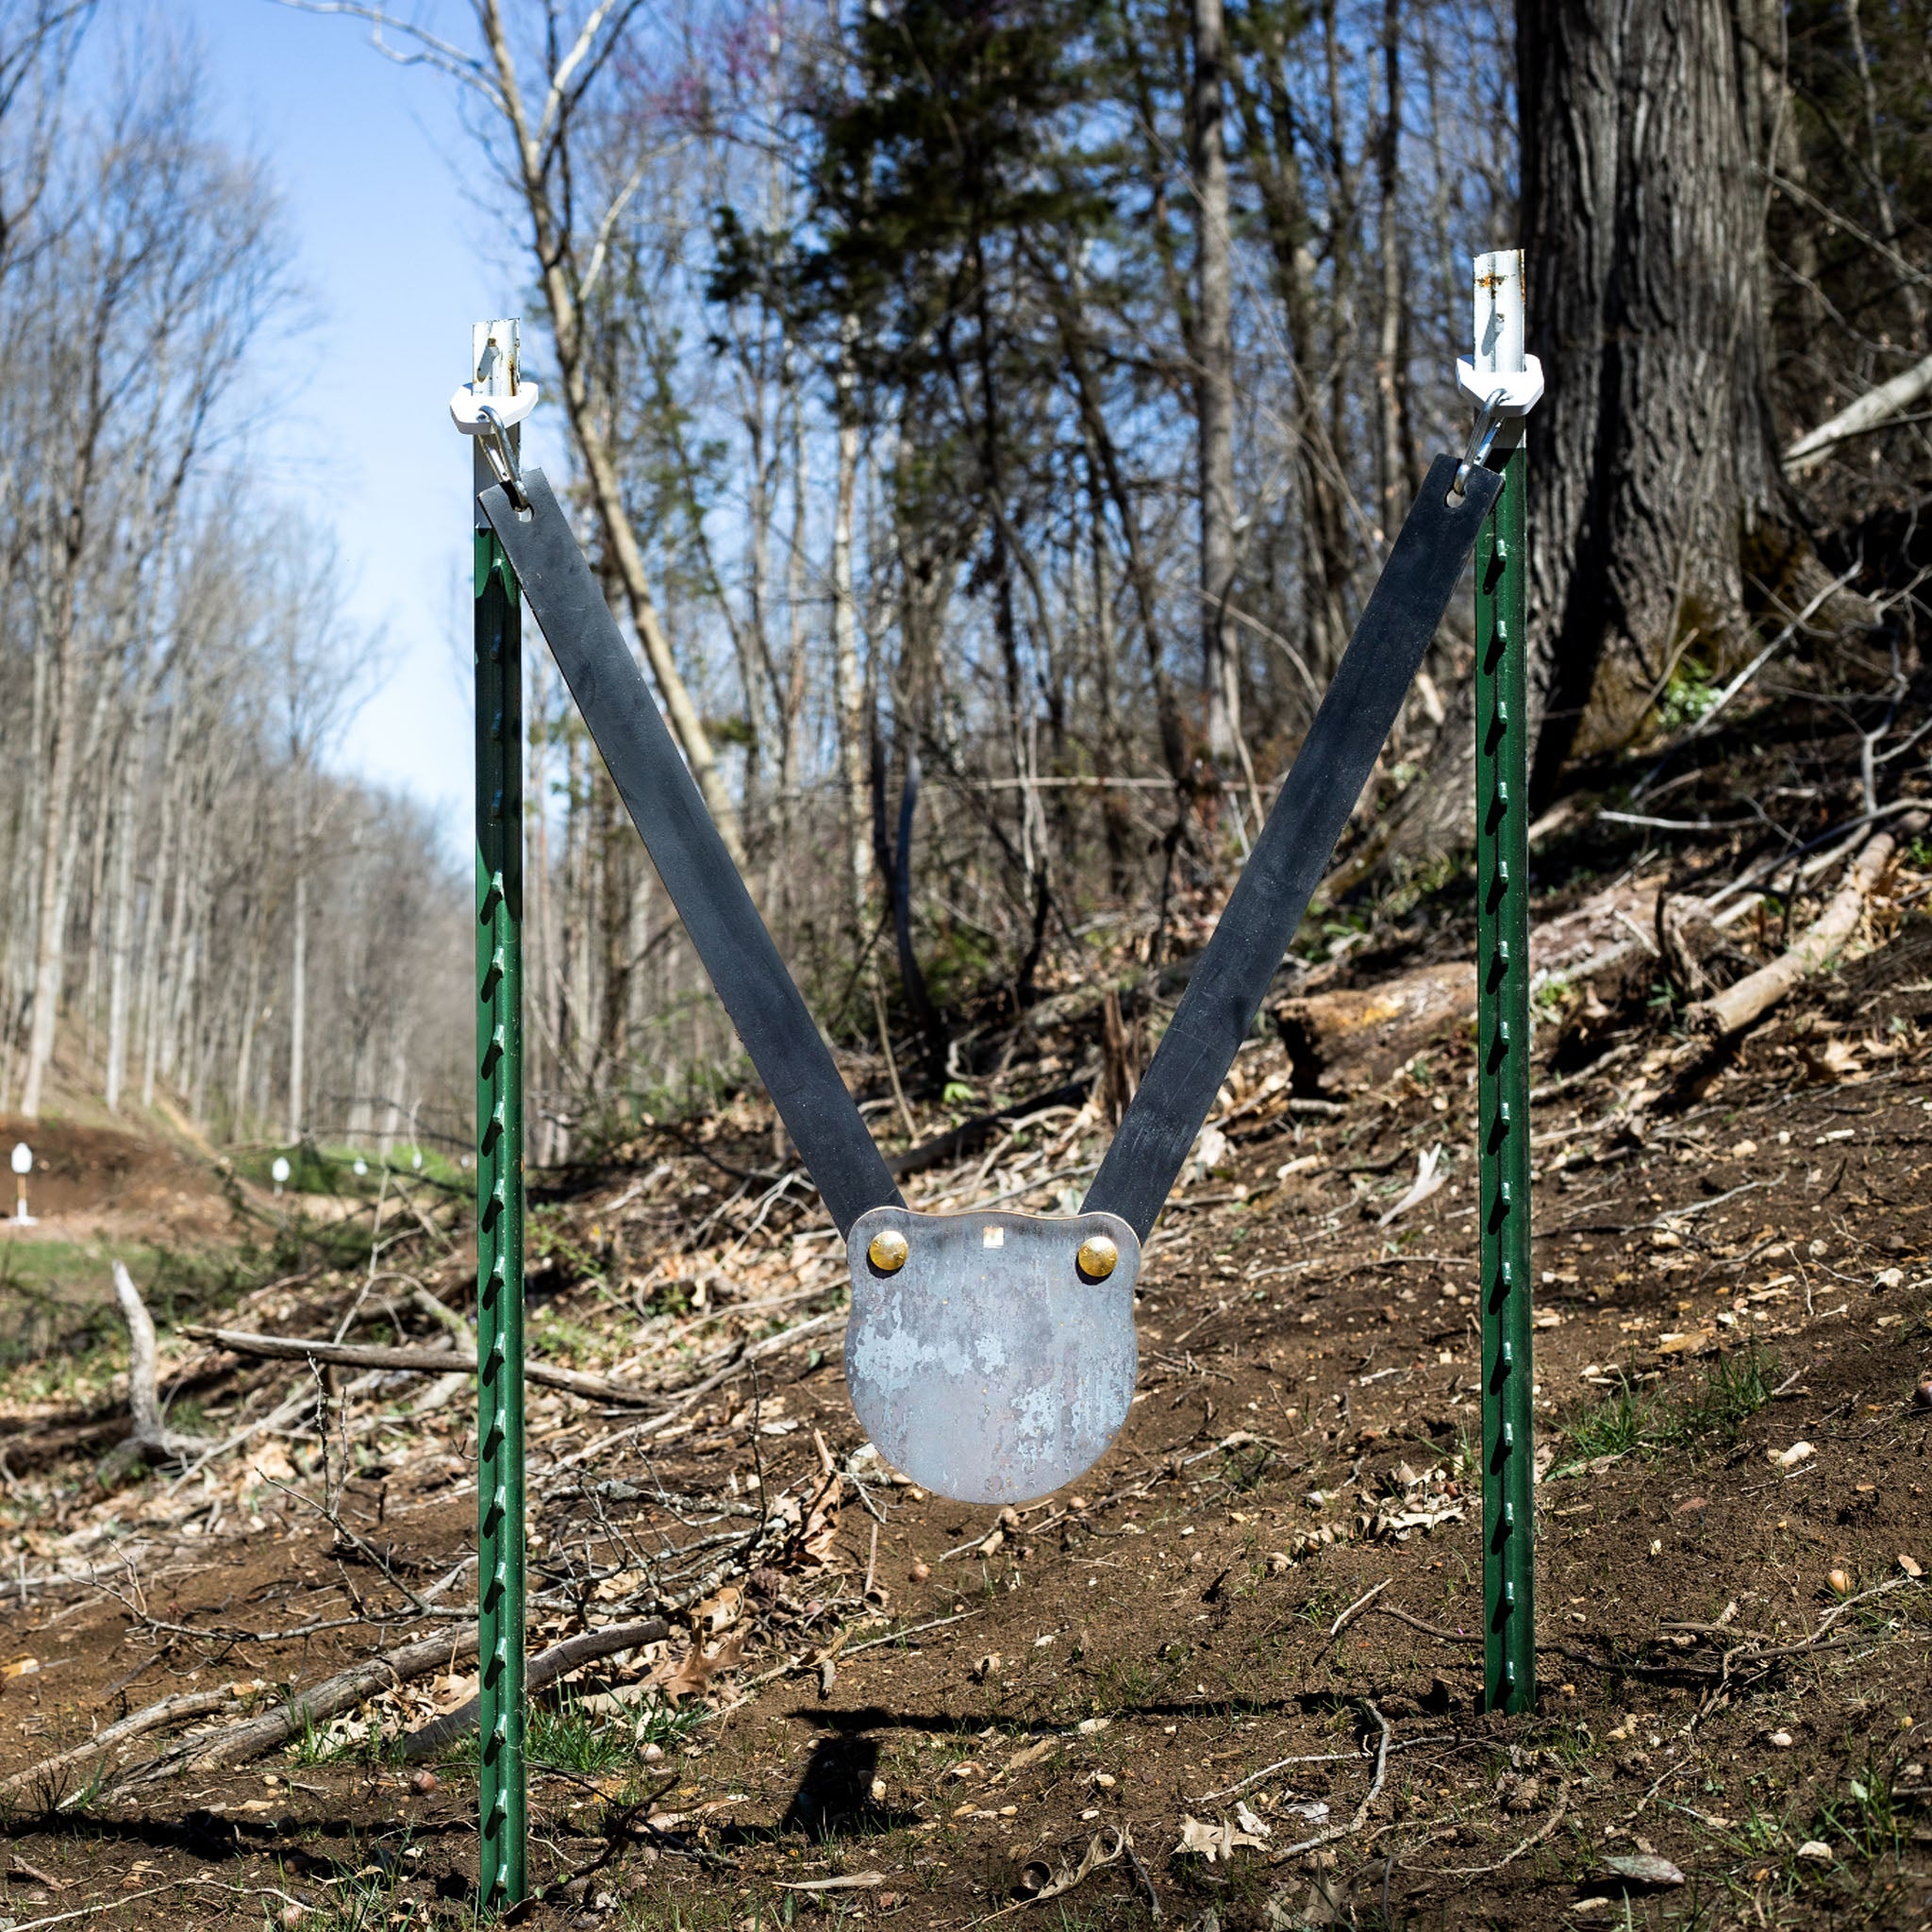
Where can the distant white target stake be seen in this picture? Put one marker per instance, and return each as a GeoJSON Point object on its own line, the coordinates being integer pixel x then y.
{"type": "Point", "coordinates": [279, 1173]}
{"type": "Point", "coordinates": [23, 1166]}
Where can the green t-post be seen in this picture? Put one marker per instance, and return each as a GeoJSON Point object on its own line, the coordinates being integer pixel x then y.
{"type": "Point", "coordinates": [499, 1173]}
{"type": "Point", "coordinates": [1503, 1041]}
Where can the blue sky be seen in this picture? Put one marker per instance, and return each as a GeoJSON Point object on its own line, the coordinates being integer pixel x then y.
{"type": "Point", "coordinates": [395, 260]}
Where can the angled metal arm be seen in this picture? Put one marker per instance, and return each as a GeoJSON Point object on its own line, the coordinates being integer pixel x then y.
{"type": "Point", "coordinates": [1287, 861]}
{"type": "Point", "coordinates": [665, 806]}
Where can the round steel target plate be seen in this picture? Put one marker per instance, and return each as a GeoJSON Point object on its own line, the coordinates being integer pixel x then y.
{"type": "Point", "coordinates": [988, 1366]}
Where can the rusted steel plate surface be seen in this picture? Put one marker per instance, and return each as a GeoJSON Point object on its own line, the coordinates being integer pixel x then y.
{"type": "Point", "coordinates": [989, 1367]}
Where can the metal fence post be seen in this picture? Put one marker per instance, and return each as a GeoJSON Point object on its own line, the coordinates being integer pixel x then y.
{"type": "Point", "coordinates": [499, 1170]}
{"type": "Point", "coordinates": [1503, 1041]}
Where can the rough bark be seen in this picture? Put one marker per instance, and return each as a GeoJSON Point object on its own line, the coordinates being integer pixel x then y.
{"type": "Point", "coordinates": [1651, 454]}
{"type": "Point", "coordinates": [1653, 465]}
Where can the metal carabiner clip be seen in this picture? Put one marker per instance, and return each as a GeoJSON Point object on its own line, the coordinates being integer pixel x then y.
{"type": "Point", "coordinates": [1488, 421]}
{"type": "Point", "coordinates": [503, 459]}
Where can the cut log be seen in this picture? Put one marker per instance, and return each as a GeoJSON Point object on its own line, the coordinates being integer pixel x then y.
{"type": "Point", "coordinates": [1357, 1037]}
{"type": "Point", "coordinates": [415, 1361]}
{"type": "Point", "coordinates": [1831, 937]}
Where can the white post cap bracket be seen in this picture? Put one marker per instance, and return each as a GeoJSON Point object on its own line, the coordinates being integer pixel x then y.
{"type": "Point", "coordinates": [1513, 392]}
{"type": "Point", "coordinates": [467, 406]}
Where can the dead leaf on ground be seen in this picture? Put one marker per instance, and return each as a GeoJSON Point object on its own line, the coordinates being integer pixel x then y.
{"type": "Point", "coordinates": [1213, 1841]}
{"type": "Point", "coordinates": [720, 1612]}
{"type": "Point", "coordinates": [699, 1666]}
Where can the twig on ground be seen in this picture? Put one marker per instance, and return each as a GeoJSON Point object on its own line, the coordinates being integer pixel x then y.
{"type": "Point", "coordinates": [1254, 1778]}
{"type": "Point", "coordinates": [1535, 1838]}
{"type": "Point", "coordinates": [1362, 1810]}
{"type": "Point", "coordinates": [1434, 1630]}
{"type": "Point", "coordinates": [1346, 1618]}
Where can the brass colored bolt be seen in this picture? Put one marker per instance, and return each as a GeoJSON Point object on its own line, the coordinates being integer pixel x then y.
{"type": "Point", "coordinates": [889, 1251]}
{"type": "Point", "coordinates": [1098, 1257]}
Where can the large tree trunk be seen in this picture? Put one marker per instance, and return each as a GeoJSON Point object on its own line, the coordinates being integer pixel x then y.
{"type": "Point", "coordinates": [1653, 462]}
{"type": "Point", "coordinates": [1652, 455]}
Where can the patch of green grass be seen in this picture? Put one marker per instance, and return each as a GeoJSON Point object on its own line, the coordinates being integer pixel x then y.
{"type": "Point", "coordinates": [1614, 1427]}
{"type": "Point", "coordinates": [311, 1746]}
{"type": "Point", "coordinates": [1864, 1817]}
{"type": "Point", "coordinates": [364, 1903]}
{"type": "Point", "coordinates": [1686, 696]}
{"type": "Point", "coordinates": [1124, 1683]}
{"type": "Point", "coordinates": [1736, 1387]}
{"type": "Point", "coordinates": [566, 1736]}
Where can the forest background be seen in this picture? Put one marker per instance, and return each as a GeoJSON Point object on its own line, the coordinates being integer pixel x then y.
{"type": "Point", "coordinates": [987, 421]}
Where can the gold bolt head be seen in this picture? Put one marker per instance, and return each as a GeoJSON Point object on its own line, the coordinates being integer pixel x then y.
{"type": "Point", "coordinates": [1098, 1257]}
{"type": "Point", "coordinates": [887, 1251]}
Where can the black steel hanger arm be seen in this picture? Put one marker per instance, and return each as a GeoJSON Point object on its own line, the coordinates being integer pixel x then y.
{"type": "Point", "coordinates": [665, 806]}
{"type": "Point", "coordinates": [1231, 976]}
{"type": "Point", "coordinates": [1288, 858]}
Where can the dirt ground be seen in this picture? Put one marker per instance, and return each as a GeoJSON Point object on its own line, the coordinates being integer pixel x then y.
{"type": "Point", "coordinates": [1255, 1628]}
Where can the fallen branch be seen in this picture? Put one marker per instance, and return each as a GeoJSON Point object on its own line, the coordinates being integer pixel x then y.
{"type": "Point", "coordinates": [1823, 941]}
{"type": "Point", "coordinates": [1871, 411]}
{"type": "Point", "coordinates": [541, 1671]}
{"type": "Point", "coordinates": [332, 1696]}
{"type": "Point", "coordinates": [183, 1704]}
{"type": "Point", "coordinates": [415, 1361]}
{"type": "Point", "coordinates": [970, 1136]}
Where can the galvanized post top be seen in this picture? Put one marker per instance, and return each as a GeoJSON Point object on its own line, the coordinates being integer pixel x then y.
{"type": "Point", "coordinates": [1498, 376]}
{"type": "Point", "coordinates": [496, 385]}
